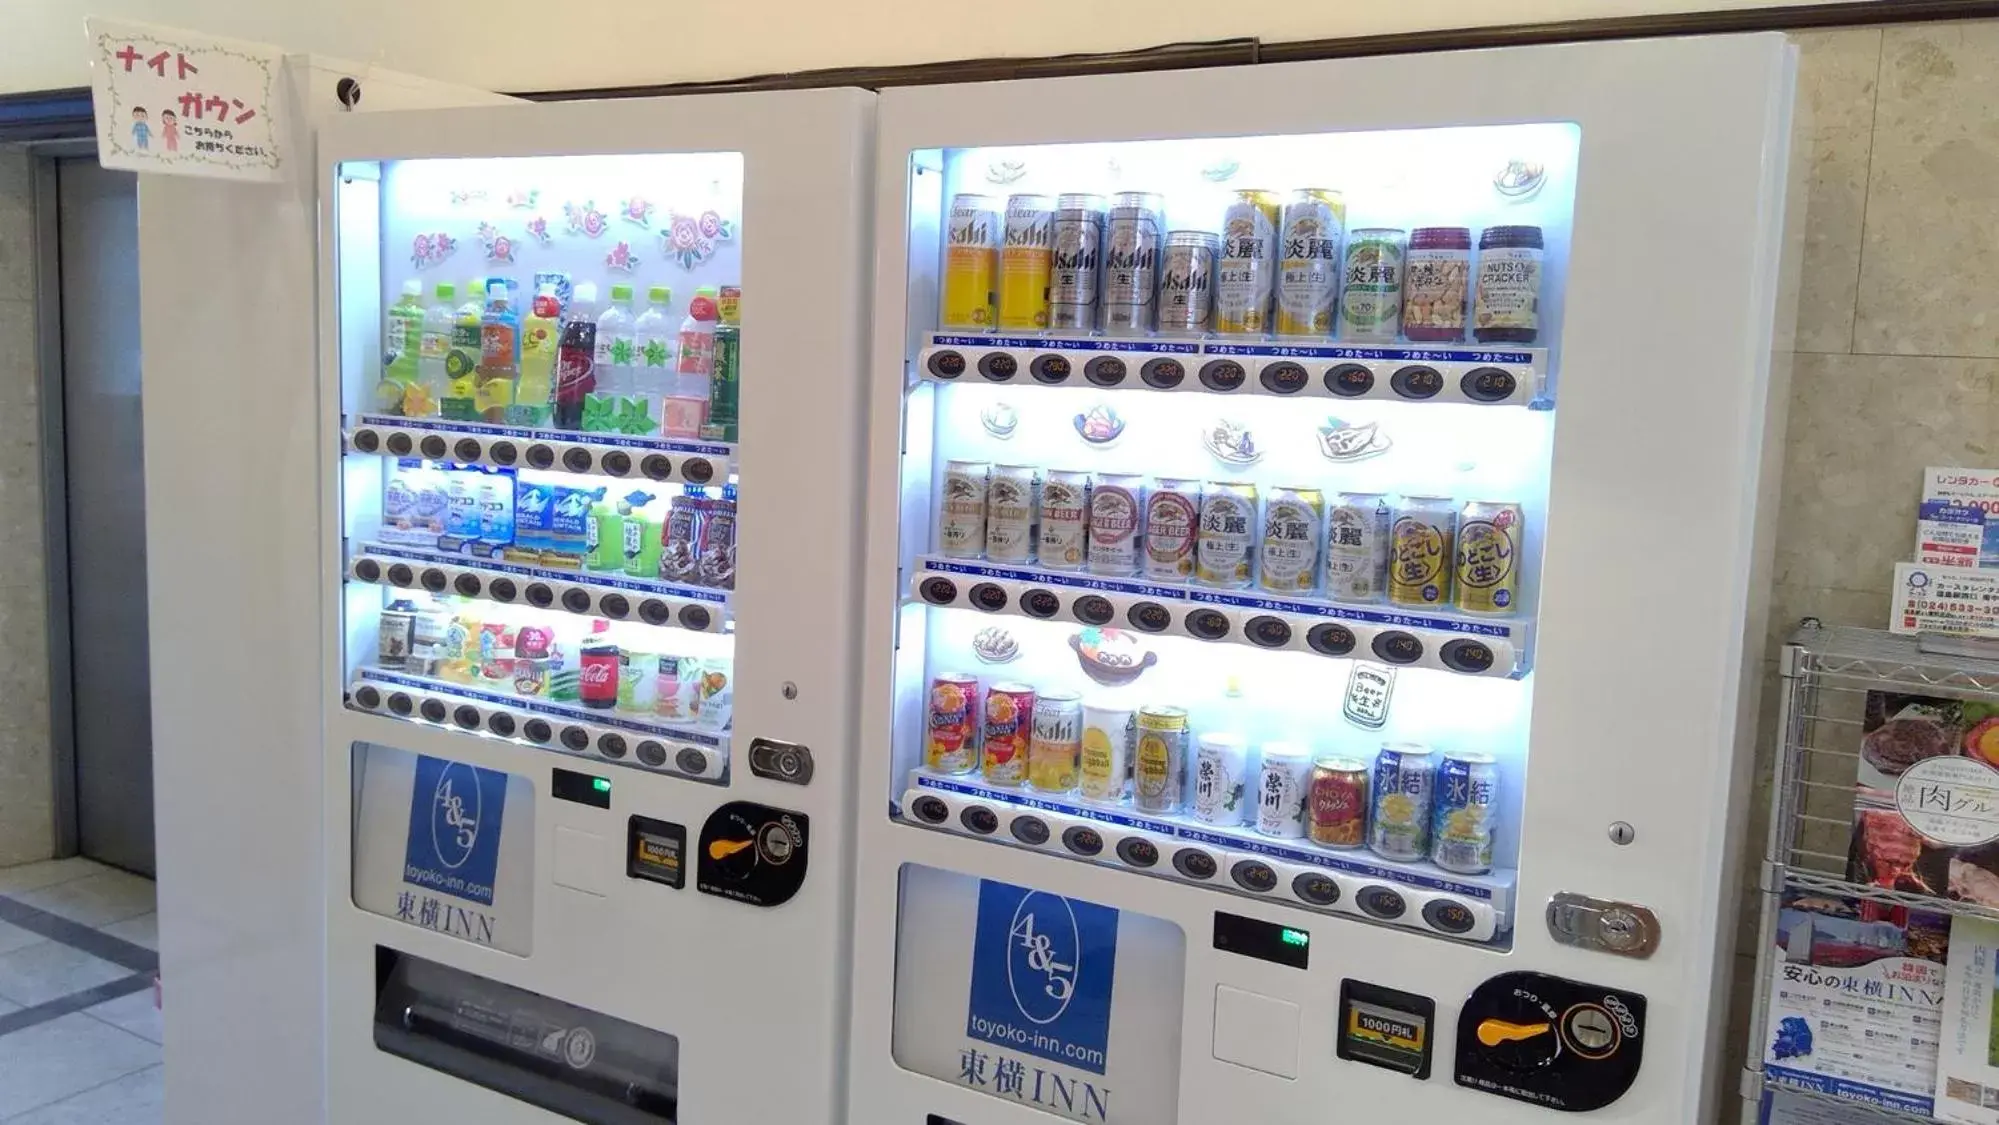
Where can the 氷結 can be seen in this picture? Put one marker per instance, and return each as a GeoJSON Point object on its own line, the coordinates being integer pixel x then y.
{"type": "Point", "coordinates": [1282, 786]}
{"type": "Point", "coordinates": [1488, 557]}
{"type": "Point", "coordinates": [1292, 519]}
{"type": "Point", "coordinates": [1357, 547]}
{"type": "Point", "coordinates": [1065, 519]}
{"type": "Point", "coordinates": [1187, 282]}
{"type": "Point", "coordinates": [961, 509]}
{"type": "Point", "coordinates": [1159, 759]}
{"type": "Point", "coordinates": [1338, 803]}
{"type": "Point", "coordinates": [1078, 258]}
{"type": "Point", "coordinates": [1225, 548]}
{"type": "Point", "coordinates": [1172, 511]}
{"type": "Point", "coordinates": [1006, 732]}
{"type": "Point", "coordinates": [1371, 285]}
{"type": "Point", "coordinates": [1423, 545]}
{"type": "Point", "coordinates": [1025, 262]}
{"type": "Point", "coordinates": [1057, 736]}
{"type": "Point", "coordinates": [1133, 236]}
{"type": "Point", "coordinates": [1308, 261]}
{"type": "Point", "coordinates": [971, 263]}
{"type": "Point", "coordinates": [1221, 778]}
{"type": "Point", "coordinates": [1405, 775]}
{"type": "Point", "coordinates": [1011, 496]}
{"type": "Point", "coordinates": [1246, 269]}
{"type": "Point", "coordinates": [1461, 829]}
{"type": "Point", "coordinates": [1105, 759]}
{"type": "Point", "coordinates": [952, 745]}
{"type": "Point", "coordinates": [1117, 509]}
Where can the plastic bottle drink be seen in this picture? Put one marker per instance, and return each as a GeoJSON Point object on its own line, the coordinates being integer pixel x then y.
{"type": "Point", "coordinates": [653, 338]}
{"type": "Point", "coordinates": [461, 363]}
{"type": "Point", "coordinates": [541, 333]}
{"type": "Point", "coordinates": [725, 376]}
{"type": "Point", "coordinates": [609, 408]}
{"type": "Point", "coordinates": [402, 340]}
{"type": "Point", "coordinates": [576, 357]}
{"type": "Point", "coordinates": [499, 353]}
{"type": "Point", "coordinates": [431, 365]}
{"type": "Point", "coordinates": [688, 408]}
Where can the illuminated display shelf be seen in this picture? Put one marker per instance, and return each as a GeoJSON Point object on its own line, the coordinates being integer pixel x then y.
{"type": "Point", "coordinates": [478, 443]}
{"type": "Point", "coordinates": [1397, 635]}
{"type": "Point", "coordinates": [1351, 883]}
{"type": "Point", "coordinates": [1499, 375]}
{"type": "Point", "coordinates": [588, 593]}
{"type": "Point", "coordinates": [569, 729]}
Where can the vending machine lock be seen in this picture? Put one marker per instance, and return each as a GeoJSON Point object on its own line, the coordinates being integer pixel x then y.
{"type": "Point", "coordinates": [781, 761]}
{"type": "Point", "coordinates": [1623, 928]}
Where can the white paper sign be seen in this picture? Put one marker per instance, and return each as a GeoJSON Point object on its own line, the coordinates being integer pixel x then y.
{"type": "Point", "coordinates": [183, 103]}
{"type": "Point", "coordinates": [1967, 1082]}
{"type": "Point", "coordinates": [1948, 600]}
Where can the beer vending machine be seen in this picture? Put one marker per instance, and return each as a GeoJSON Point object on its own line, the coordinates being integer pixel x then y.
{"type": "Point", "coordinates": [593, 395]}
{"type": "Point", "coordinates": [1314, 519]}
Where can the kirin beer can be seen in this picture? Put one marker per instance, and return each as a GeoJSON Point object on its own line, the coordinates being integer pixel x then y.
{"type": "Point", "coordinates": [1461, 829]}
{"type": "Point", "coordinates": [1159, 759]}
{"type": "Point", "coordinates": [1056, 740]}
{"type": "Point", "coordinates": [1282, 786]}
{"type": "Point", "coordinates": [1105, 758]}
{"type": "Point", "coordinates": [972, 234]}
{"type": "Point", "coordinates": [1221, 779]}
{"type": "Point", "coordinates": [1488, 558]}
{"type": "Point", "coordinates": [1187, 282]}
{"type": "Point", "coordinates": [1292, 521]}
{"type": "Point", "coordinates": [1078, 259]}
{"type": "Point", "coordinates": [961, 509]}
{"type": "Point", "coordinates": [1025, 262]}
{"type": "Point", "coordinates": [1117, 511]}
{"type": "Point", "coordinates": [1371, 285]}
{"type": "Point", "coordinates": [1423, 541]}
{"type": "Point", "coordinates": [1065, 519]}
{"type": "Point", "coordinates": [1004, 737]}
{"type": "Point", "coordinates": [952, 742]}
{"type": "Point", "coordinates": [1405, 777]}
{"type": "Point", "coordinates": [1224, 552]}
{"type": "Point", "coordinates": [1172, 512]}
{"type": "Point", "coordinates": [1246, 270]}
{"type": "Point", "coordinates": [1133, 238]}
{"type": "Point", "coordinates": [1338, 803]}
{"type": "Point", "coordinates": [1012, 498]}
{"type": "Point", "coordinates": [1357, 547]}
{"type": "Point", "coordinates": [1308, 270]}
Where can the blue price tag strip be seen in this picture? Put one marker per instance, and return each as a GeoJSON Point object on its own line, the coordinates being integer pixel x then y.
{"type": "Point", "coordinates": [541, 707]}
{"type": "Point", "coordinates": [549, 574]}
{"type": "Point", "coordinates": [524, 433]}
{"type": "Point", "coordinates": [1388, 353]}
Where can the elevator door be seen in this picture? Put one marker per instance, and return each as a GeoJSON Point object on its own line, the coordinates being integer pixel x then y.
{"type": "Point", "coordinates": [104, 467]}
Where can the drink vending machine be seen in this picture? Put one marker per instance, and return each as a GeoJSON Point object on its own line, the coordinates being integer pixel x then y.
{"type": "Point", "coordinates": [593, 384]}
{"type": "Point", "coordinates": [1314, 516]}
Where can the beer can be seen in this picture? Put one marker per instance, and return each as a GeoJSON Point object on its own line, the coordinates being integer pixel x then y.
{"type": "Point", "coordinates": [1078, 259]}
{"type": "Point", "coordinates": [1371, 285]}
{"type": "Point", "coordinates": [1011, 501]}
{"type": "Point", "coordinates": [1006, 732]}
{"type": "Point", "coordinates": [1057, 737]}
{"type": "Point", "coordinates": [1187, 282]}
{"type": "Point", "coordinates": [1221, 779]}
{"type": "Point", "coordinates": [1159, 759]}
{"type": "Point", "coordinates": [1133, 236]}
{"type": "Point", "coordinates": [1357, 547]}
{"type": "Point", "coordinates": [961, 509]}
{"type": "Point", "coordinates": [1172, 512]}
{"type": "Point", "coordinates": [1026, 261]}
{"type": "Point", "coordinates": [1405, 776]}
{"type": "Point", "coordinates": [971, 263]}
{"type": "Point", "coordinates": [1225, 548]}
{"type": "Point", "coordinates": [1488, 557]}
{"type": "Point", "coordinates": [1064, 538]}
{"type": "Point", "coordinates": [1338, 802]}
{"type": "Point", "coordinates": [1461, 829]}
{"type": "Point", "coordinates": [952, 744]}
{"type": "Point", "coordinates": [1282, 785]}
{"type": "Point", "coordinates": [1308, 264]}
{"type": "Point", "coordinates": [1104, 761]}
{"type": "Point", "coordinates": [1246, 269]}
{"type": "Point", "coordinates": [1117, 508]}
{"type": "Point", "coordinates": [1423, 543]}
{"type": "Point", "coordinates": [1292, 521]}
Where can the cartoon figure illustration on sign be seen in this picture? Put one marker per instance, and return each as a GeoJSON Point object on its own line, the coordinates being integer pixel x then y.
{"type": "Point", "coordinates": [141, 132]}
{"type": "Point", "coordinates": [170, 130]}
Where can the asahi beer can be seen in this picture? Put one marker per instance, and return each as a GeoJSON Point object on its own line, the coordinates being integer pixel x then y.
{"type": "Point", "coordinates": [1011, 500]}
{"type": "Point", "coordinates": [1006, 732]}
{"type": "Point", "coordinates": [1225, 549]}
{"type": "Point", "coordinates": [961, 509]}
{"type": "Point", "coordinates": [1246, 271]}
{"type": "Point", "coordinates": [1025, 264]}
{"type": "Point", "coordinates": [1461, 829]}
{"type": "Point", "coordinates": [1117, 508]}
{"type": "Point", "coordinates": [1056, 740]}
{"type": "Point", "coordinates": [1104, 763]}
{"type": "Point", "coordinates": [1337, 807]}
{"type": "Point", "coordinates": [1159, 759]}
{"type": "Point", "coordinates": [1405, 775]}
{"type": "Point", "coordinates": [1357, 547]}
{"type": "Point", "coordinates": [952, 745]}
{"type": "Point", "coordinates": [1488, 557]}
{"type": "Point", "coordinates": [1172, 512]}
{"type": "Point", "coordinates": [1221, 779]}
{"type": "Point", "coordinates": [1134, 234]}
{"type": "Point", "coordinates": [1292, 521]}
{"type": "Point", "coordinates": [1065, 519]}
{"type": "Point", "coordinates": [1187, 283]}
{"type": "Point", "coordinates": [1423, 547]}
{"type": "Point", "coordinates": [1282, 785]}
{"type": "Point", "coordinates": [1078, 258]}
{"type": "Point", "coordinates": [1308, 264]}
{"type": "Point", "coordinates": [972, 235]}
{"type": "Point", "coordinates": [1371, 285]}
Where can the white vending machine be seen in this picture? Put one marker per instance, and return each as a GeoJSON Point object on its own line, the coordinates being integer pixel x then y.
{"type": "Point", "coordinates": [592, 396]}
{"type": "Point", "coordinates": [1316, 516]}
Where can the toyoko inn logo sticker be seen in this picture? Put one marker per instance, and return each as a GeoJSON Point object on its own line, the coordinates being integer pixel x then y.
{"type": "Point", "coordinates": [454, 836]}
{"type": "Point", "coordinates": [1042, 970]}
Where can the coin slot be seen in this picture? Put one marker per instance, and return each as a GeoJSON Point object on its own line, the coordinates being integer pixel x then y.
{"type": "Point", "coordinates": [1105, 371]}
{"type": "Point", "coordinates": [368, 570]}
{"type": "Point", "coordinates": [989, 596]}
{"type": "Point", "coordinates": [930, 810]}
{"type": "Point", "coordinates": [540, 456]}
{"type": "Point", "coordinates": [612, 745]}
{"type": "Point", "coordinates": [1149, 617]}
{"type": "Point", "coordinates": [695, 617]}
{"type": "Point", "coordinates": [1164, 373]}
{"type": "Point", "coordinates": [433, 447]}
{"type": "Point", "coordinates": [1093, 609]}
{"type": "Point", "coordinates": [1040, 603]}
{"type": "Point", "coordinates": [1284, 378]}
{"type": "Point", "coordinates": [1467, 656]}
{"type": "Point", "coordinates": [503, 453]}
{"type": "Point", "coordinates": [467, 449]}
{"type": "Point", "coordinates": [1029, 830]}
{"type": "Point", "coordinates": [947, 365]}
{"type": "Point", "coordinates": [1138, 851]}
{"type": "Point", "coordinates": [698, 470]}
{"type": "Point", "coordinates": [1194, 864]}
{"type": "Point", "coordinates": [1350, 380]}
{"type": "Point", "coordinates": [1222, 375]}
{"type": "Point", "coordinates": [979, 819]}
{"type": "Point", "coordinates": [1208, 624]}
{"type": "Point", "coordinates": [1488, 384]}
{"type": "Point", "coordinates": [1051, 369]}
{"type": "Point", "coordinates": [1416, 382]}
{"type": "Point", "coordinates": [502, 590]}
{"type": "Point", "coordinates": [1397, 647]}
{"type": "Point", "coordinates": [1083, 840]}
{"type": "Point", "coordinates": [1266, 631]}
{"type": "Point", "coordinates": [400, 445]}
{"type": "Point", "coordinates": [618, 463]}
{"type": "Point", "coordinates": [998, 366]}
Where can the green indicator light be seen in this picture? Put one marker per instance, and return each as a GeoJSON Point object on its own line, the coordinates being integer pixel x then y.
{"type": "Point", "coordinates": [1296, 937]}
{"type": "Point", "coordinates": [603, 785]}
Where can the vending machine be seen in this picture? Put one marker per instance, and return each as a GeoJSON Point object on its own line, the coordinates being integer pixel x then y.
{"type": "Point", "coordinates": [592, 397]}
{"type": "Point", "coordinates": [1316, 515]}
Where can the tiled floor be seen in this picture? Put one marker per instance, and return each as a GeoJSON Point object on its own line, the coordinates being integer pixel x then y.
{"type": "Point", "coordinates": [79, 1033]}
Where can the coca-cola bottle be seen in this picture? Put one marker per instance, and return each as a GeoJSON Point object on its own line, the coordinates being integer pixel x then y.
{"type": "Point", "coordinates": [576, 358]}
{"type": "Point", "coordinates": [597, 675]}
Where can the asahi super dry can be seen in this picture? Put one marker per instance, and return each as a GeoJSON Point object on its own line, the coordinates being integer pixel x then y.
{"type": "Point", "coordinates": [1159, 759]}
{"type": "Point", "coordinates": [1187, 283]}
{"type": "Point", "coordinates": [1488, 557]}
{"type": "Point", "coordinates": [1057, 736]}
{"type": "Point", "coordinates": [952, 744]}
{"type": "Point", "coordinates": [1246, 272]}
{"type": "Point", "coordinates": [1423, 548]}
{"type": "Point", "coordinates": [1004, 737]}
{"type": "Point", "coordinates": [1078, 259]}
{"type": "Point", "coordinates": [1133, 238]}
{"type": "Point", "coordinates": [972, 233]}
{"type": "Point", "coordinates": [1308, 270]}
{"type": "Point", "coordinates": [1025, 263]}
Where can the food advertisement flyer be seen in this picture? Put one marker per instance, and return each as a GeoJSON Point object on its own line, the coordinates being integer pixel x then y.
{"type": "Point", "coordinates": [1926, 812]}
{"type": "Point", "coordinates": [1967, 1082]}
